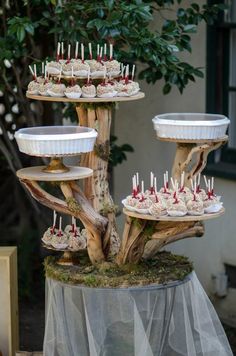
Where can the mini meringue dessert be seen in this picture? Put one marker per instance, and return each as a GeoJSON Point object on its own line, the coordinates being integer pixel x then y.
{"type": "Point", "coordinates": [157, 209]}
{"type": "Point", "coordinates": [88, 90]}
{"type": "Point", "coordinates": [73, 92]}
{"type": "Point", "coordinates": [33, 87]}
{"type": "Point", "coordinates": [67, 69]}
{"type": "Point", "coordinates": [97, 69]}
{"type": "Point", "coordinates": [176, 207]}
{"type": "Point", "coordinates": [60, 240]}
{"type": "Point", "coordinates": [106, 90]}
{"type": "Point", "coordinates": [81, 68]}
{"type": "Point", "coordinates": [57, 90]}
{"type": "Point", "coordinates": [51, 232]}
{"type": "Point", "coordinates": [53, 68]}
{"type": "Point", "coordinates": [112, 68]}
{"type": "Point", "coordinates": [44, 87]}
{"type": "Point", "coordinates": [195, 206]}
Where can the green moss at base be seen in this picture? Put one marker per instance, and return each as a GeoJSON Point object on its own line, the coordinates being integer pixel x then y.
{"type": "Point", "coordinates": [164, 268]}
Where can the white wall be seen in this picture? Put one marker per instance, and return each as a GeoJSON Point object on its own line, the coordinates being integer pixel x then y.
{"type": "Point", "coordinates": [133, 125]}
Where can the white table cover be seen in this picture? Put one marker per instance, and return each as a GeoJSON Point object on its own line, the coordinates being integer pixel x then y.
{"type": "Point", "coordinates": [176, 319]}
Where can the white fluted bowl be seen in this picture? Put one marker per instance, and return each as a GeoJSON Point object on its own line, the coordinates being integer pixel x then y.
{"type": "Point", "coordinates": [53, 141]}
{"type": "Point", "coordinates": [190, 126]}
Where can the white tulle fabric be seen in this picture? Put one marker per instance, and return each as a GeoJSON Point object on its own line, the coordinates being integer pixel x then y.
{"type": "Point", "coordinates": [176, 319]}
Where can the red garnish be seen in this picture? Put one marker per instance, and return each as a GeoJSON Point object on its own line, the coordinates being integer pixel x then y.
{"type": "Point", "coordinates": [59, 233]}
{"type": "Point", "coordinates": [176, 201]}
{"type": "Point", "coordinates": [105, 57]}
{"type": "Point", "coordinates": [152, 190]}
{"type": "Point", "coordinates": [142, 199]}
{"type": "Point", "coordinates": [52, 229]}
{"type": "Point", "coordinates": [75, 233]}
{"type": "Point", "coordinates": [157, 200]}
{"type": "Point", "coordinates": [72, 228]}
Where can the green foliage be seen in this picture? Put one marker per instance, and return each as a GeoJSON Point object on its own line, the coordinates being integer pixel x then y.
{"type": "Point", "coordinates": [118, 153]}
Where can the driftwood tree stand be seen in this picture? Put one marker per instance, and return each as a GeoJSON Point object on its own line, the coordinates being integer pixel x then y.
{"type": "Point", "coordinates": [143, 235]}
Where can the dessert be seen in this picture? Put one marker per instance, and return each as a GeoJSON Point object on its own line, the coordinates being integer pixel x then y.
{"type": "Point", "coordinates": [51, 232]}
{"type": "Point", "coordinates": [112, 68]}
{"type": "Point", "coordinates": [88, 90]}
{"type": "Point", "coordinates": [53, 68]}
{"type": "Point", "coordinates": [106, 90]}
{"type": "Point", "coordinates": [44, 87]}
{"type": "Point", "coordinates": [73, 92]}
{"type": "Point", "coordinates": [195, 206]}
{"type": "Point", "coordinates": [157, 209]}
{"type": "Point", "coordinates": [176, 207]}
{"type": "Point", "coordinates": [60, 240]}
{"type": "Point", "coordinates": [57, 90]}
{"type": "Point", "coordinates": [33, 87]}
{"type": "Point", "coordinates": [81, 68]}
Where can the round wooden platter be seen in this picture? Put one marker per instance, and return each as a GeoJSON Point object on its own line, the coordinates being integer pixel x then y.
{"type": "Point", "coordinates": [174, 219]}
{"type": "Point", "coordinates": [63, 99]}
{"type": "Point", "coordinates": [37, 174]}
{"type": "Point", "coordinates": [179, 140]}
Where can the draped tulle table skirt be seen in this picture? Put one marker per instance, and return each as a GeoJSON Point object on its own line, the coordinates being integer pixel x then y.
{"type": "Point", "coordinates": [176, 319]}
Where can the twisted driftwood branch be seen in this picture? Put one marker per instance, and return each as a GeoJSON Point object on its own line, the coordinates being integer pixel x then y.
{"type": "Point", "coordinates": [78, 206]}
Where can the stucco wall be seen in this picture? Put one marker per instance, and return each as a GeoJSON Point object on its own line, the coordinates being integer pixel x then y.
{"type": "Point", "coordinates": [133, 124]}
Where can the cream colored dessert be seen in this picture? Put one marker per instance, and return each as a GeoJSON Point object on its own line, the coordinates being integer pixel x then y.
{"type": "Point", "coordinates": [112, 68]}
{"type": "Point", "coordinates": [131, 201]}
{"type": "Point", "coordinates": [67, 68]}
{"type": "Point", "coordinates": [106, 90]}
{"type": "Point", "coordinates": [77, 242]}
{"type": "Point", "coordinates": [33, 87]}
{"type": "Point", "coordinates": [195, 207]}
{"type": "Point", "coordinates": [44, 87]}
{"type": "Point", "coordinates": [60, 241]}
{"type": "Point", "coordinates": [127, 89]}
{"type": "Point", "coordinates": [176, 207]}
{"type": "Point", "coordinates": [157, 209]}
{"type": "Point", "coordinates": [81, 69]}
{"type": "Point", "coordinates": [73, 92]}
{"type": "Point", "coordinates": [48, 236]}
{"type": "Point", "coordinates": [53, 68]}
{"type": "Point", "coordinates": [57, 90]}
{"type": "Point", "coordinates": [97, 69]}
{"type": "Point", "coordinates": [144, 203]}
{"type": "Point", "coordinates": [88, 91]}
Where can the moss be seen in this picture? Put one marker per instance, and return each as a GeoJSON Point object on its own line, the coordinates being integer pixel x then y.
{"type": "Point", "coordinates": [102, 150]}
{"type": "Point", "coordinates": [73, 205]}
{"type": "Point", "coordinates": [94, 106]}
{"type": "Point", "coordinates": [165, 267]}
{"type": "Point", "coordinates": [108, 208]}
